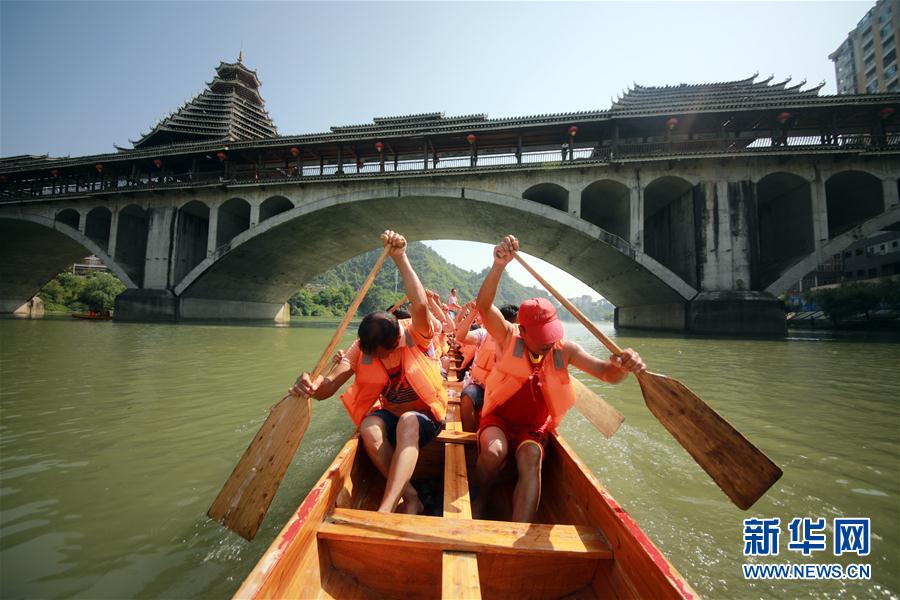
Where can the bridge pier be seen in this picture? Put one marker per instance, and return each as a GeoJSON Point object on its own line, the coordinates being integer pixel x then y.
{"type": "Point", "coordinates": [162, 306]}
{"type": "Point", "coordinates": [728, 313]}
{"type": "Point", "coordinates": [155, 306]}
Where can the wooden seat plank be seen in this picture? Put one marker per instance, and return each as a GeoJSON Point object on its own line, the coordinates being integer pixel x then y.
{"type": "Point", "coordinates": [449, 436]}
{"type": "Point", "coordinates": [457, 504]}
{"type": "Point", "coordinates": [492, 537]}
{"type": "Point", "coordinates": [459, 576]}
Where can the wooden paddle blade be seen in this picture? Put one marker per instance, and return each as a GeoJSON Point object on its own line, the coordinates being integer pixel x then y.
{"type": "Point", "coordinates": [596, 410]}
{"type": "Point", "coordinates": [246, 496]}
{"type": "Point", "coordinates": [738, 467]}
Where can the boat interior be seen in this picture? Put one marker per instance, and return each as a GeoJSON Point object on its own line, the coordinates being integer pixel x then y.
{"type": "Point", "coordinates": [579, 545]}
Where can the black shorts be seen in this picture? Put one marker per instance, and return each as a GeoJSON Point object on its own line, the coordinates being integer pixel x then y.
{"type": "Point", "coordinates": [428, 427]}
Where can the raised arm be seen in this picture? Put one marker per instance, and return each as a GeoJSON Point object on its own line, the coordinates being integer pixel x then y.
{"type": "Point", "coordinates": [494, 322]}
{"type": "Point", "coordinates": [438, 311]}
{"type": "Point", "coordinates": [418, 301]}
{"type": "Point", "coordinates": [463, 331]}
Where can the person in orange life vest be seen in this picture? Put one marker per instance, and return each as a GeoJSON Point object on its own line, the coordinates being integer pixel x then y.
{"type": "Point", "coordinates": [472, 395]}
{"type": "Point", "coordinates": [528, 391]}
{"type": "Point", "coordinates": [453, 304]}
{"type": "Point", "coordinates": [397, 397]}
{"type": "Point", "coordinates": [443, 330]}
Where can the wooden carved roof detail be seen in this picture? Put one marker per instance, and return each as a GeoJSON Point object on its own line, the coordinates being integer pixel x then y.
{"type": "Point", "coordinates": [686, 98]}
{"type": "Point", "coordinates": [229, 109]}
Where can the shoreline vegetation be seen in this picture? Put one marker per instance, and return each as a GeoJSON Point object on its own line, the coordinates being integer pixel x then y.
{"type": "Point", "coordinates": [330, 293]}
{"type": "Point", "coordinates": [849, 306]}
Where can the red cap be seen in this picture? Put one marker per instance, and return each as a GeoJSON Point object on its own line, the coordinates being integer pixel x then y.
{"type": "Point", "coordinates": [539, 318]}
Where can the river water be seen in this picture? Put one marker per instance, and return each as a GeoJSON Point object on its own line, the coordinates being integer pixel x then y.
{"type": "Point", "coordinates": [115, 438]}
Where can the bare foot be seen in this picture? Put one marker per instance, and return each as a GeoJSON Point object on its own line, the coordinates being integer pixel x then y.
{"type": "Point", "coordinates": [413, 506]}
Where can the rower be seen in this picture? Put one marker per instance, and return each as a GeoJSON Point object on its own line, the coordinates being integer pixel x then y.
{"type": "Point", "coordinates": [397, 398]}
{"type": "Point", "coordinates": [528, 392]}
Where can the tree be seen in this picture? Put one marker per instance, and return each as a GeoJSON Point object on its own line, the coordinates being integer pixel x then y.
{"type": "Point", "coordinates": [889, 292]}
{"type": "Point", "coordinates": [378, 298]}
{"type": "Point", "coordinates": [100, 291]}
{"type": "Point", "coordinates": [847, 300]}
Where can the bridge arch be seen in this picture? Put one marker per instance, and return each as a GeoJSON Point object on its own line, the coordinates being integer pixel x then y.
{"type": "Point", "coordinates": [98, 225]}
{"type": "Point", "coordinates": [192, 237]}
{"type": "Point", "coordinates": [70, 217]}
{"type": "Point", "coordinates": [274, 205]}
{"type": "Point", "coordinates": [35, 249]}
{"type": "Point", "coordinates": [835, 245]}
{"type": "Point", "coordinates": [233, 219]}
{"type": "Point", "coordinates": [131, 240]}
{"type": "Point", "coordinates": [548, 194]}
{"type": "Point", "coordinates": [256, 268]}
{"type": "Point", "coordinates": [852, 197]}
{"type": "Point", "coordinates": [784, 223]}
{"type": "Point", "coordinates": [607, 204]}
{"type": "Point", "coordinates": [669, 225]}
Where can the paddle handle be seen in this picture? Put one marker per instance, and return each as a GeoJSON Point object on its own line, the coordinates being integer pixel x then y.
{"type": "Point", "coordinates": [351, 312]}
{"type": "Point", "coordinates": [399, 302]}
{"type": "Point", "coordinates": [610, 345]}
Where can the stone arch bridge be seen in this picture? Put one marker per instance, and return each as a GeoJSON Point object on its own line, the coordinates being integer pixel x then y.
{"type": "Point", "coordinates": [700, 245]}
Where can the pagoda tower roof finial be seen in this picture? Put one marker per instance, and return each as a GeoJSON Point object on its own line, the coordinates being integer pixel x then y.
{"type": "Point", "coordinates": [241, 55]}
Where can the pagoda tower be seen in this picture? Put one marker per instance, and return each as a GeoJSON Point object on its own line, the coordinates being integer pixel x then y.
{"type": "Point", "coordinates": [229, 109]}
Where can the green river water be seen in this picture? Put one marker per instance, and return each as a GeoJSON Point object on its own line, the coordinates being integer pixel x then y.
{"type": "Point", "coordinates": [115, 438]}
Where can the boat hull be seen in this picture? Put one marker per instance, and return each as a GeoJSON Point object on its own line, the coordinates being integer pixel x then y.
{"type": "Point", "coordinates": [581, 544]}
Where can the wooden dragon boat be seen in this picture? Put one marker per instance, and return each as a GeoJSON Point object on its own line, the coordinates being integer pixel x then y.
{"type": "Point", "coordinates": [582, 544]}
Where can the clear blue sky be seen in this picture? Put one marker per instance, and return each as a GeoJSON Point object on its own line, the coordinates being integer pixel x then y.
{"type": "Point", "coordinates": [78, 77]}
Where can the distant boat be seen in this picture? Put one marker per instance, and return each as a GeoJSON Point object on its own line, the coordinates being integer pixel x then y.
{"type": "Point", "coordinates": [93, 316]}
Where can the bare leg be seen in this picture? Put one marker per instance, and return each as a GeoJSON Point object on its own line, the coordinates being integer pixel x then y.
{"type": "Point", "coordinates": [467, 413]}
{"type": "Point", "coordinates": [528, 487]}
{"type": "Point", "coordinates": [403, 464]}
{"type": "Point", "coordinates": [374, 437]}
{"type": "Point", "coordinates": [493, 448]}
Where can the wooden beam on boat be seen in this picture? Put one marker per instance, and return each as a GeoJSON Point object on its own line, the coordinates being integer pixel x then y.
{"type": "Point", "coordinates": [459, 576]}
{"type": "Point", "coordinates": [417, 532]}
{"type": "Point", "coordinates": [449, 436]}
{"type": "Point", "coordinates": [459, 570]}
{"type": "Point", "coordinates": [454, 386]}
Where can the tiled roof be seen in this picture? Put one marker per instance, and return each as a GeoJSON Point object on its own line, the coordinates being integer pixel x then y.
{"type": "Point", "coordinates": [686, 98]}
{"type": "Point", "coordinates": [230, 109]}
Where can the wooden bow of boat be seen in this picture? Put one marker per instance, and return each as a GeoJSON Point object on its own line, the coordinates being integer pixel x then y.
{"type": "Point", "coordinates": [581, 545]}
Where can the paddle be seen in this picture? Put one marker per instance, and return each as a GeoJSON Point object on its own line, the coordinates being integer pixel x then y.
{"type": "Point", "coordinates": [245, 498]}
{"type": "Point", "coordinates": [405, 298]}
{"type": "Point", "coordinates": [596, 410]}
{"type": "Point", "coordinates": [738, 467]}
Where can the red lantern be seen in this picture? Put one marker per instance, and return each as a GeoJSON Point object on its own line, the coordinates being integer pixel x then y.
{"type": "Point", "coordinates": [295, 151]}
{"type": "Point", "coordinates": [783, 117]}
{"type": "Point", "coordinates": [158, 163]}
{"type": "Point", "coordinates": [379, 146]}
{"type": "Point", "coordinates": [99, 167]}
{"type": "Point", "coordinates": [471, 138]}
{"type": "Point", "coordinates": [886, 112]}
{"type": "Point", "coordinates": [572, 131]}
{"type": "Point", "coordinates": [222, 156]}
{"type": "Point", "coordinates": [672, 123]}
{"type": "Point", "coordinates": [55, 172]}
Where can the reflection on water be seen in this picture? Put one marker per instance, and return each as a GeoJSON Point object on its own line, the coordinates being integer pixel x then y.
{"type": "Point", "coordinates": [115, 438]}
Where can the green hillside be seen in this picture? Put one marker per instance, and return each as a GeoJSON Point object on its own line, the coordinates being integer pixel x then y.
{"type": "Point", "coordinates": [330, 293]}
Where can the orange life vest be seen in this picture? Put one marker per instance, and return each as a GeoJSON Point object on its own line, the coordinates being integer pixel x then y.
{"type": "Point", "coordinates": [485, 358]}
{"type": "Point", "coordinates": [371, 378]}
{"type": "Point", "coordinates": [512, 370]}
